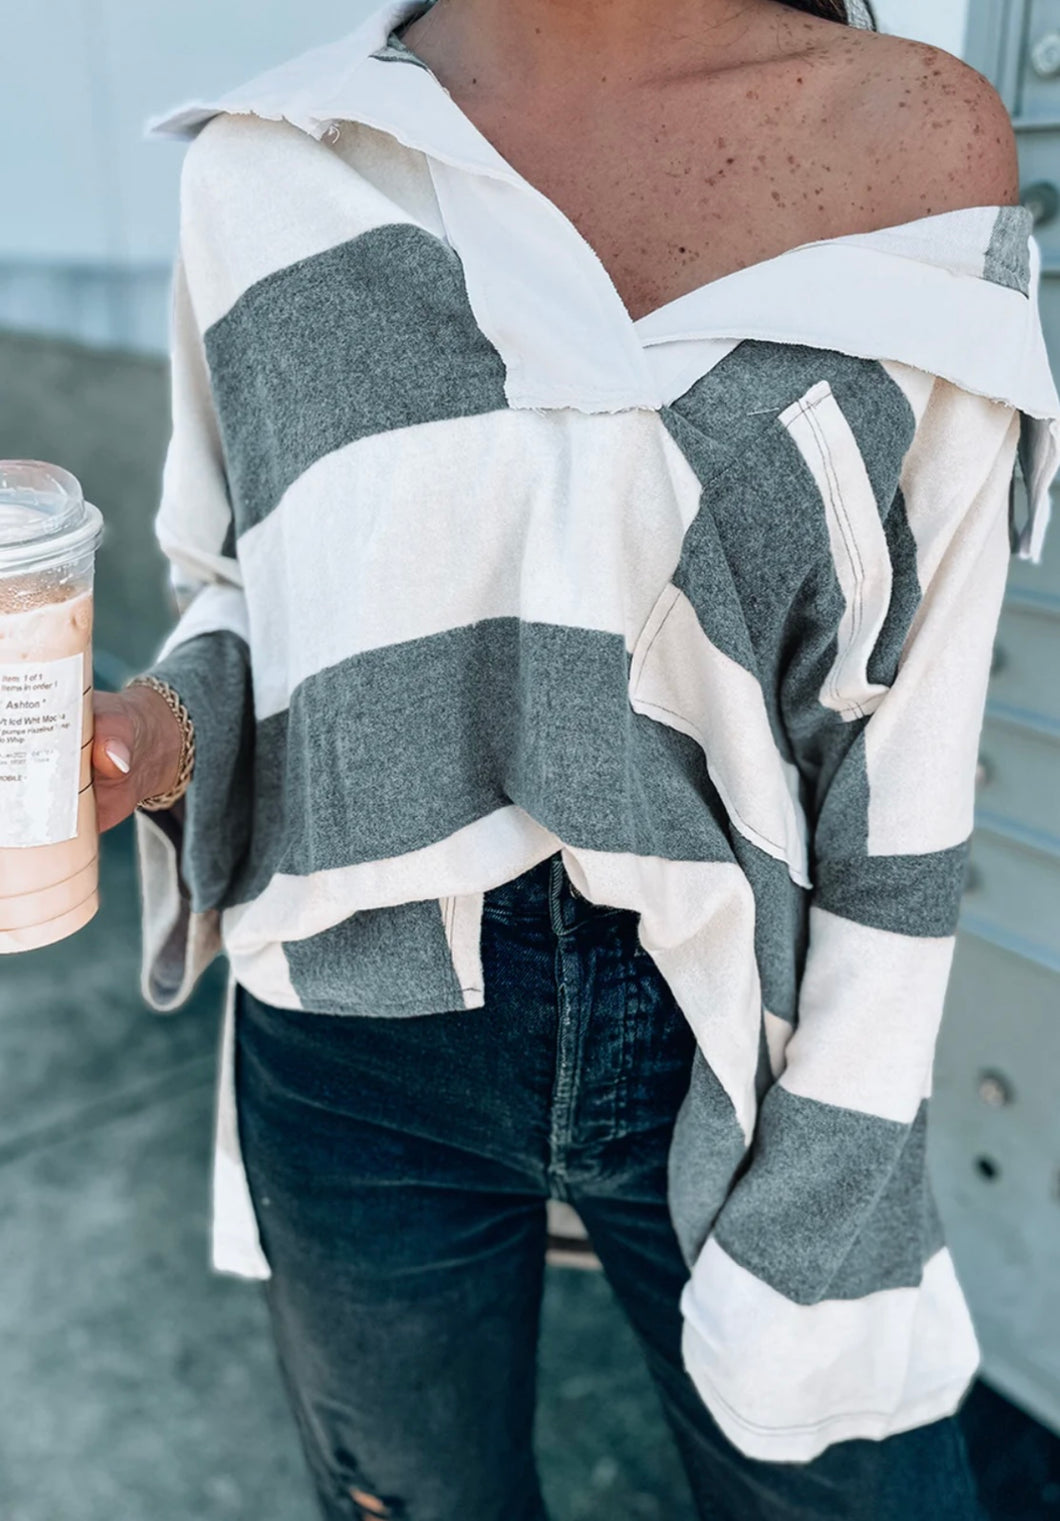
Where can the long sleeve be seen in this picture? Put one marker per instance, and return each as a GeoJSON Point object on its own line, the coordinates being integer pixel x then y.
{"type": "Point", "coordinates": [188, 855]}
{"type": "Point", "coordinates": [823, 1305]}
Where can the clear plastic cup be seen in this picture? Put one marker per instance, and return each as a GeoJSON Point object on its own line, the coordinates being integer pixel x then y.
{"type": "Point", "coordinates": [49, 838]}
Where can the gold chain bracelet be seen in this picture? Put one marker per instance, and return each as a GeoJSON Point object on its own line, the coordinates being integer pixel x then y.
{"type": "Point", "coordinates": [187, 753]}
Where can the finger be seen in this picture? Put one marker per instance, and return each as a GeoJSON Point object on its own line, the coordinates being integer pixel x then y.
{"type": "Point", "coordinates": [111, 759]}
{"type": "Point", "coordinates": [114, 738]}
{"type": "Point", "coordinates": [114, 760]}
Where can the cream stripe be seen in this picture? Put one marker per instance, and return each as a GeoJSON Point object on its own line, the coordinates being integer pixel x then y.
{"type": "Point", "coordinates": [784, 1381]}
{"type": "Point", "coordinates": [778, 1035]}
{"type": "Point", "coordinates": [921, 744]}
{"type": "Point", "coordinates": [235, 1245]}
{"type": "Point", "coordinates": [566, 519]}
{"type": "Point", "coordinates": [264, 972]}
{"type": "Point", "coordinates": [869, 1011]}
{"type": "Point", "coordinates": [462, 918]}
{"type": "Point", "coordinates": [229, 201]}
{"type": "Point", "coordinates": [917, 387]}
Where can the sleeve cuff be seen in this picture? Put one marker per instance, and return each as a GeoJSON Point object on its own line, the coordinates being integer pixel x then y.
{"type": "Point", "coordinates": [785, 1381]}
{"type": "Point", "coordinates": [178, 943]}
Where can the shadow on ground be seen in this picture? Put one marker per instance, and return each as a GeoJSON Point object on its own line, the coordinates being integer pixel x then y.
{"type": "Point", "coordinates": [135, 1382]}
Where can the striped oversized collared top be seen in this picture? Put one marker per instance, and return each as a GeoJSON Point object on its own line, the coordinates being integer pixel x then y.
{"type": "Point", "coordinates": [472, 568]}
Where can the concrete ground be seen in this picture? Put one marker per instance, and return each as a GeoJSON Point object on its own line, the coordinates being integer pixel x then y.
{"type": "Point", "coordinates": [134, 1382]}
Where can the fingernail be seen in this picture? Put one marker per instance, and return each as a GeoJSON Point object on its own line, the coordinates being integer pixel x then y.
{"type": "Point", "coordinates": [118, 754]}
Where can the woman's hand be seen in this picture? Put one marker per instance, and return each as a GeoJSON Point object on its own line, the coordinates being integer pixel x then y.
{"type": "Point", "coordinates": [135, 751]}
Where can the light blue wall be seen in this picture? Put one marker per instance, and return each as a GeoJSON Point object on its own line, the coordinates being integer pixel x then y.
{"type": "Point", "coordinates": [942, 22]}
{"type": "Point", "coordinates": [87, 253]}
{"type": "Point", "coordinates": [89, 250]}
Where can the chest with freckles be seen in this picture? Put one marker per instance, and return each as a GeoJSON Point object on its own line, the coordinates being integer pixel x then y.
{"type": "Point", "coordinates": [688, 185]}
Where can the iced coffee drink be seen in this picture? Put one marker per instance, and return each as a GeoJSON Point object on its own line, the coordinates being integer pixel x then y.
{"type": "Point", "coordinates": [49, 842]}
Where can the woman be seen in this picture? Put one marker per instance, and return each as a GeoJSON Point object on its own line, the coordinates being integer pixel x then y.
{"type": "Point", "coordinates": [588, 508]}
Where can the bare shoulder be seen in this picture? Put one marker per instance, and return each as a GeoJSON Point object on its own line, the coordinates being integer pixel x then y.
{"type": "Point", "coordinates": [932, 130]}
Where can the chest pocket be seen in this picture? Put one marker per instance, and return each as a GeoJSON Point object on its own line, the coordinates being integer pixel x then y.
{"type": "Point", "coordinates": [860, 554]}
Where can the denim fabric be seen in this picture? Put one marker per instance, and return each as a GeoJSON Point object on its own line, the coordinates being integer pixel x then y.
{"type": "Point", "coordinates": [399, 1169]}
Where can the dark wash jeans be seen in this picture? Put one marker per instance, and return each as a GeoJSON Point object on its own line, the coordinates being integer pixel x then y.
{"type": "Point", "coordinates": [399, 1168]}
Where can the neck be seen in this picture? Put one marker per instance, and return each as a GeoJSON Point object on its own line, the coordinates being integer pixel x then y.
{"type": "Point", "coordinates": [556, 46]}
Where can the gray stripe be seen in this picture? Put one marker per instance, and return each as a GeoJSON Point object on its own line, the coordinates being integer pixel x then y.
{"type": "Point", "coordinates": [834, 761]}
{"type": "Point", "coordinates": [389, 961]}
{"type": "Point", "coordinates": [374, 335]}
{"type": "Point", "coordinates": [761, 508]}
{"type": "Point", "coordinates": [212, 675]}
{"type": "Point", "coordinates": [395, 51]}
{"type": "Point", "coordinates": [396, 748]}
{"type": "Point", "coordinates": [909, 895]}
{"type": "Point", "coordinates": [782, 911]}
{"type": "Point", "coordinates": [835, 1204]}
{"type": "Point", "coordinates": [1008, 254]}
{"type": "Point", "coordinates": [906, 595]}
{"type": "Point", "coordinates": [706, 1149]}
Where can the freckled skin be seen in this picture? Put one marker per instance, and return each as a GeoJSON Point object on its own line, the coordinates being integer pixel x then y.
{"type": "Point", "coordinates": [750, 137]}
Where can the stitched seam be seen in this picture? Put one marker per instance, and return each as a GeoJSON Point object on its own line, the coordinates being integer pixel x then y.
{"type": "Point", "coordinates": [675, 593]}
{"type": "Point", "coordinates": [851, 546]}
{"type": "Point", "coordinates": [658, 707]}
{"type": "Point", "coordinates": [417, 1005]}
{"type": "Point", "coordinates": [823, 1424]}
{"type": "Point", "coordinates": [449, 920]}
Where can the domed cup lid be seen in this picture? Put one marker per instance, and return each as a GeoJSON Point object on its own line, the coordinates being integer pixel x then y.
{"type": "Point", "coordinates": [44, 518]}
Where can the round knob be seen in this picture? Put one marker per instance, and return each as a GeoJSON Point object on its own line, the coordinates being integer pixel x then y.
{"type": "Point", "coordinates": [1042, 200]}
{"type": "Point", "coordinates": [1045, 55]}
{"type": "Point", "coordinates": [995, 1090]}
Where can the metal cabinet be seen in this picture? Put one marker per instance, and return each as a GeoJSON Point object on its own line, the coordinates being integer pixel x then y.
{"type": "Point", "coordinates": [996, 1135]}
{"type": "Point", "coordinates": [996, 1157]}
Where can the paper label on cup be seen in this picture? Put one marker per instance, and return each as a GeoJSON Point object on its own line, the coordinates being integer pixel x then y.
{"type": "Point", "coordinates": [41, 707]}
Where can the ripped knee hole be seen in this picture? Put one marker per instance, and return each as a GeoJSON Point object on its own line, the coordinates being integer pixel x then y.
{"type": "Point", "coordinates": [370, 1503]}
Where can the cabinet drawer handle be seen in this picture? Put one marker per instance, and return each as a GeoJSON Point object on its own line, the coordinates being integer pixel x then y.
{"type": "Point", "coordinates": [1045, 55]}
{"type": "Point", "coordinates": [995, 1090]}
{"type": "Point", "coordinates": [1042, 200]}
